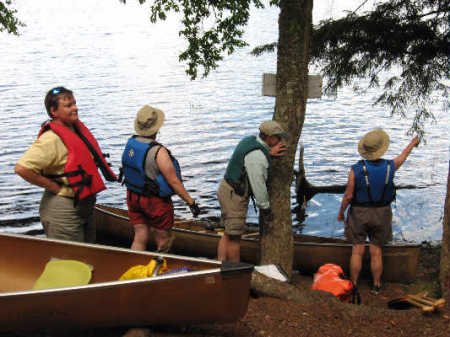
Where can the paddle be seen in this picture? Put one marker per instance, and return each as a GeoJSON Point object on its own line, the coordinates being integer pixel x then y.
{"type": "Point", "coordinates": [426, 304]}
{"type": "Point", "coordinates": [406, 302]}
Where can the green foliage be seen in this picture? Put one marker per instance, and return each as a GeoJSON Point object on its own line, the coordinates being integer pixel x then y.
{"type": "Point", "coordinates": [266, 48]}
{"type": "Point", "coordinates": [212, 28]}
{"type": "Point", "coordinates": [8, 20]}
{"type": "Point", "coordinates": [408, 36]}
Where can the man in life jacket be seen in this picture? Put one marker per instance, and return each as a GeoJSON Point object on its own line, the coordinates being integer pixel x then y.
{"type": "Point", "coordinates": [152, 175]}
{"type": "Point", "coordinates": [247, 175]}
{"type": "Point", "coordinates": [64, 160]}
{"type": "Point", "coordinates": [370, 191]}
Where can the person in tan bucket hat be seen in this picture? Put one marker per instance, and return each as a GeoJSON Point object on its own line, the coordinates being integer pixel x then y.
{"type": "Point", "coordinates": [247, 174]}
{"type": "Point", "coordinates": [374, 144]}
{"type": "Point", "coordinates": [152, 175]}
{"type": "Point", "coordinates": [148, 121]}
{"type": "Point", "coordinates": [370, 191]}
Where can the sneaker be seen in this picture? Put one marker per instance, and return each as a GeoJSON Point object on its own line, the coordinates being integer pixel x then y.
{"type": "Point", "coordinates": [375, 290]}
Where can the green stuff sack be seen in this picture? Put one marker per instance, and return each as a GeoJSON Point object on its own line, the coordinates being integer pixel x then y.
{"type": "Point", "coordinates": [63, 273]}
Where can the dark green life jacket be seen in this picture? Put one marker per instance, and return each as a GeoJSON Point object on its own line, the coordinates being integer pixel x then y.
{"type": "Point", "coordinates": [235, 174]}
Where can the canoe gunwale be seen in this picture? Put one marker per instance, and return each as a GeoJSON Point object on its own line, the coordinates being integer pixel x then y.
{"type": "Point", "coordinates": [114, 284]}
{"type": "Point", "coordinates": [303, 243]}
{"type": "Point", "coordinates": [114, 248]}
{"type": "Point", "coordinates": [229, 267]}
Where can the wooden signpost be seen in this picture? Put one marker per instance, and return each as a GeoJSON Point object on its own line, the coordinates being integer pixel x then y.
{"type": "Point", "coordinates": [269, 87]}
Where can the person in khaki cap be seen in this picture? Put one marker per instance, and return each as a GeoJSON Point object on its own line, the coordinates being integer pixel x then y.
{"type": "Point", "coordinates": [152, 175]}
{"type": "Point", "coordinates": [247, 174]}
{"type": "Point", "coordinates": [370, 191]}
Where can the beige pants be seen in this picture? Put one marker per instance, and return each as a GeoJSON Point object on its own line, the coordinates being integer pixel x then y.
{"type": "Point", "coordinates": [61, 220]}
{"type": "Point", "coordinates": [234, 209]}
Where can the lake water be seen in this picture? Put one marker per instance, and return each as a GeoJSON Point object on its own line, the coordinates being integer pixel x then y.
{"type": "Point", "coordinates": [115, 61]}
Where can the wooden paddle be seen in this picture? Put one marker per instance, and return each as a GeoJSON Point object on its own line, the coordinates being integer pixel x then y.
{"type": "Point", "coordinates": [435, 303]}
{"type": "Point", "coordinates": [425, 303]}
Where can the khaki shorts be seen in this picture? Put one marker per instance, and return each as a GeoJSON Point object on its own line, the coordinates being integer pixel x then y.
{"type": "Point", "coordinates": [234, 209]}
{"type": "Point", "coordinates": [372, 222]}
{"type": "Point", "coordinates": [61, 220]}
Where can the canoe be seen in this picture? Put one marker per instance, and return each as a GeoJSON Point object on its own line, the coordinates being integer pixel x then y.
{"type": "Point", "coordinates": [194, 238]}
{"type": "Point", "coordinates": [210, 291]}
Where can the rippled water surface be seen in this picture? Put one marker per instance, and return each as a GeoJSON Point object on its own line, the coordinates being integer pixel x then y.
{"type": "Point", "coordinates": [115, 61]}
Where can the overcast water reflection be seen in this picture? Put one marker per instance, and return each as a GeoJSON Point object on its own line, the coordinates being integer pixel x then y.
{"type": "Point", "coordinates": [115, 61]}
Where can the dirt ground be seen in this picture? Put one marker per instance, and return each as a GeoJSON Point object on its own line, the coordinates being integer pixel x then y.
{"type": "Point", "coordinates": [319, 314]}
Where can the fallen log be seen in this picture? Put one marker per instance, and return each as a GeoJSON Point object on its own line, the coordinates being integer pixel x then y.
{"type": "Point", "coordinates": [262, 285]}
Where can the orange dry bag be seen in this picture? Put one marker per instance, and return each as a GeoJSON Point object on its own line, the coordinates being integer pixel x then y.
{"type": "Point", "coordinates": [330, 277]}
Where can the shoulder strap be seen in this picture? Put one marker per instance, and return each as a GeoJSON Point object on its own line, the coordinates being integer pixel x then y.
{"type": "Point", "coordinates": [388, 173]}
{"type": "Point", "coordinates": [366, 177]}
{"type": "Point", "coordinates": [100, 162]}
{"type": "Point", "coordinates": [386, 180]}
{"type": "Point", "coordinates": [155, 143]}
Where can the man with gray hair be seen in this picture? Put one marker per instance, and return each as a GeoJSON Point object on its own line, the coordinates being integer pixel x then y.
{"type": "Point", "coordinates": [246, 175]}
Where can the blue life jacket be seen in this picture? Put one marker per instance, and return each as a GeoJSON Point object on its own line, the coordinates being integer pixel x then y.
{"type": "Point", "coordinates": [133, 168]}
{"type": "Point", "coordinates": [374, 183]}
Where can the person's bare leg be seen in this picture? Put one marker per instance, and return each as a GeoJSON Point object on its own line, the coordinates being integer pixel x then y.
{"type": "Point", "coordinates": [234, 248]}
{"type": "Point", "coordinates": [222, 248]}
{"type": "Point", "coordinates": [376, 264]}
{"type": "Point", "coordinates": [356, 262]}
{"type": "Point", "coordinates": [229, 248]}
{"type": "Point", "coordinates": [162, 238]}
{"type": "Point", "coordinates": [141, 233]}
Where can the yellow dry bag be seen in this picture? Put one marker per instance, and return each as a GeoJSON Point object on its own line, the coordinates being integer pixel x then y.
{"type": "Point", "coordinates": [156, 266]}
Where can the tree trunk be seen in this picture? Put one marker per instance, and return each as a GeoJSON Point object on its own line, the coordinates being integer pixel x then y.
{"type": "Point", "coordinates": [445, 250]}
{"type": "Point", "coordinates": [295, 22]}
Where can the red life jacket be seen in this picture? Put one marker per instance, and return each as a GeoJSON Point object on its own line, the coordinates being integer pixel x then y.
{"type": "Point", "coordinates": [330, 277]}
{"type": "Point", "coordinates": [84, 155]}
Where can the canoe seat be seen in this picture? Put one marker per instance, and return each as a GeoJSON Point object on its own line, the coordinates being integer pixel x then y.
{"type": "Point", "coordinates": [63, 273]}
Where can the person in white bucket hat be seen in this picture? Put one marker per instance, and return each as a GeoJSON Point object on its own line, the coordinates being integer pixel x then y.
{"type": "Point", "coordinates": [370, 191]}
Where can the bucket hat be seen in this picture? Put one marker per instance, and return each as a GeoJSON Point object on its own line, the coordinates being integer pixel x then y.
{"type": "Point", "coordinates": [373, 144]}
{"type": "Point", "coordinates": [272, 128]}
{"type": "Point", "coordinates": [148, 121]}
